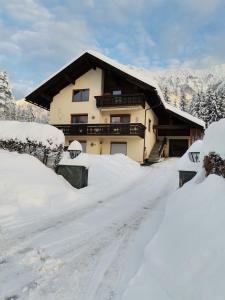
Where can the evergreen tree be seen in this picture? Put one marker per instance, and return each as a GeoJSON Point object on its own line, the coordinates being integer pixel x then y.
{"type": "Point", "coordinates": [183, 102]}
{"type": "Point", "coordinates": [221, 102]}
{"type": "Point", "coordinates": [166, 94]}
{"type": "Point", "coordinates": [209, 110]}
{"type": "Point", "coordinates": [194, 108]}
{"type": "Point", "coordinates": [7, 103]}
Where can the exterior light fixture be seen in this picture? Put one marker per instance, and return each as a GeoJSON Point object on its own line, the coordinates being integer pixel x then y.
{"type": "Point", "coordinates": [194, 156]}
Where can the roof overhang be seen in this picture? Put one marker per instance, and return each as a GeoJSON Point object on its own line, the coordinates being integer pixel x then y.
{"type": "Point", "coordinates": [43, 95]}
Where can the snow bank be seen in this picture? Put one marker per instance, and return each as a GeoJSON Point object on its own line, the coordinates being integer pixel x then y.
{"type": "Point", "coordinates": [186, 258]}
{"type": "Point", "coordinates": [214, 139]}
{"type": "Point", "coordinates": [109, 170]}
{"type": "Point", "coordinates": [27, 185]}
{"type": "Point", "coordinates": [185, 164]}
{"type": "Point", "coordinates": [48, 135]}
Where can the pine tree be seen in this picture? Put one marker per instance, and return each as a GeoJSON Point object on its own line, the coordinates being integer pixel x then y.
{"type": "Point", "coordinates": [194, 108]}
{"type": "Point", "coordinates": [7, 103]}
{"type": "Point", "coordinates": [209, 109]}
{"type": "Point", "coordinates": [183, 102]}
{"type": "Point", "coordinates": [166, 94]}
{"type": "Point", "coordinates": [221, 100]}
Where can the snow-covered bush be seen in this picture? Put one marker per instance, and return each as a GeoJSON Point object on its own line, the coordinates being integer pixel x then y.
{"type": "Point", "coordinates": [40, 140]}
{"type": "Point", "coordinates": [214, 164]}
{"type": "Point", "coordinates": [213, 149]}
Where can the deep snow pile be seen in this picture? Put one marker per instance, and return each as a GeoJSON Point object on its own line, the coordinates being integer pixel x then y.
{"type": "Point", "coordinates": [45, 134]}
{"type": "Point", "coordinates": [214, 139]}
{"type": "Point", "coordinates": [106, 170]}
{"type": "Point", "coordinates": [26, 185]}
{"type": "Point", "coordinates": [186, 258]}
{"type": "Point", "coordinates": [185, 164]}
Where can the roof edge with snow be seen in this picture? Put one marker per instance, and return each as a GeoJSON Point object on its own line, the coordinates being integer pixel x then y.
{"type": "Point", "coordinates": [44, 93]}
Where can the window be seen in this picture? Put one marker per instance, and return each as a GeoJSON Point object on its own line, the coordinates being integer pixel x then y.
{"type": "Point", "coordinates": [79, 119]}
{"type": "Point", "coordinates": [117, 93]}
{"type": "Point", "coordinates": [81, 95]}
{"type": "Point", "coordinates": [120, 118]}
{"type": "Point", "coordinates": [84, 145]}
{"type": "Point", "coordinates": [118, 148]}
{"type": "Point", "coordinates": [149, 125]}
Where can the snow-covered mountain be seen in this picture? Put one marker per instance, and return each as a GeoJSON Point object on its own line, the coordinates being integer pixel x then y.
{"type": "Point", "coordinates": [190, 81]}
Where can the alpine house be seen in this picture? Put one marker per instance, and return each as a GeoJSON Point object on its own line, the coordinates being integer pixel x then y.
{"type": "Point", "coordinates": [111, 108]}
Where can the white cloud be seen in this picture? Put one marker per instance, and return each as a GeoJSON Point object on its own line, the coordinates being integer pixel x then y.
{"type": "Point", "coordinates": [203, 8]}
{"type": "Point", "coordinates": [22, 87]}
{"type": "Point", "coordinates": [25, 10]}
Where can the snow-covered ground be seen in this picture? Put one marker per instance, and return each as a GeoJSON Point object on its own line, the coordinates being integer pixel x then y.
{"type": "Point", "coordinates": [186, 258]}
{"type": "Point", "coordinates": [72, 244]}
{"type": "Point", "coordinates": [131, 234]}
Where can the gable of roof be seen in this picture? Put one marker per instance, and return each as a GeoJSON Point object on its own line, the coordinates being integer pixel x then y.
{"type": "Point", "coordinates": [43, 94]}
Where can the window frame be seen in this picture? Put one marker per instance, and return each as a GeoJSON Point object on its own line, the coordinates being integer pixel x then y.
{"type": "Point", "coordinates": [81, 92]}
{"type": "Point", "coordinates": [123, 143]}
{"type": "Point", "coordinates": [119, 115]}
{"type": "Point", "coordinates": [76, 115]}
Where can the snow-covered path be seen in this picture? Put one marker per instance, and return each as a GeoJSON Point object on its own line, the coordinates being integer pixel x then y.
{"type": "Point", "coordinates": [89, 253]}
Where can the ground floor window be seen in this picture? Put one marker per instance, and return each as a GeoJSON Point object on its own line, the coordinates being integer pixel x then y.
{"type": "Point", "coordinates": [84, 145]}
{"type": "Point", "coordinates": [118, 148]}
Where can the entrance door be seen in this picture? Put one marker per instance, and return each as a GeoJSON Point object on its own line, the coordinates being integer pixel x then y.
{"type": "Point", "coordinates": [119, 148]}
{"type": "Point", "coordinates": [177, 147]}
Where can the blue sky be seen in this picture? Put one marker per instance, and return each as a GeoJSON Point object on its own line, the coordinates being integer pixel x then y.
{"type": "Point", "coordinates": [38, 37]}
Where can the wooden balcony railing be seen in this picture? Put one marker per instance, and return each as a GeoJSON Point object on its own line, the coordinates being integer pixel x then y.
{"type": "Point", "coordinates": [120, 100]}
{"type": "Point", "coordinates": [127, 129]}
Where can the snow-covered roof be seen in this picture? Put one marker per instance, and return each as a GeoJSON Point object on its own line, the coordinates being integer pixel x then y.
{"type": "Point", "coordinates": [140, 74]}
{"type": "Point", "coordinates": [184, 114]}
{"type": "Point", "coordinates": [137, 73]}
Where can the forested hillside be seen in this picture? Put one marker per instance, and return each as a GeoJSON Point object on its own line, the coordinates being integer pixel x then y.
{"type": "Point", "coordinates": [199, 92]}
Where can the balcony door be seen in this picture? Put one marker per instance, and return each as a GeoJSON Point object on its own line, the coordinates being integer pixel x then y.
{"type": "Point", "coordinates": [118, 148]}
{"type": "Point", "coordinates": [115, 119]}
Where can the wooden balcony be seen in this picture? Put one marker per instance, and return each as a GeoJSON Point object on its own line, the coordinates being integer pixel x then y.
{"type": "Point", "coordinates": [120, 100]}
{"type": "Point", "coordinates": [125, 129]}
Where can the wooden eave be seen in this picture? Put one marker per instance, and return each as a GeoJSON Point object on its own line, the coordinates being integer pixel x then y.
{"type": "Point", "coordinates": [44, 94]}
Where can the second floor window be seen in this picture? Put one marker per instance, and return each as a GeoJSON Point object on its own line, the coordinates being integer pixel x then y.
{"type": "Point", "coordinates": [79, 119]}
{"type": "Point", "coordinates": [120, 118]}
{"type": "Point", "coordinates": [81, 95]}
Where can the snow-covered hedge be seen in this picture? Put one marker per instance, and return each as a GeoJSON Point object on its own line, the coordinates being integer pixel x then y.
{"type": "Point", "coordinates": [40, 140]}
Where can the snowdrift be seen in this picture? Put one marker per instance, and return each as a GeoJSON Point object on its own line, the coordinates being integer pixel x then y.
{"type": "Point", "coordinates": [25, 184]}
{"type": "Point", "coordinates": [47, 135]}
{"type": "Point", "coordinates": [186, 258]}
{"type": "Point", "coordinates": [214, 139]}
{"type": "Point", "coordinates": [106, 169]}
